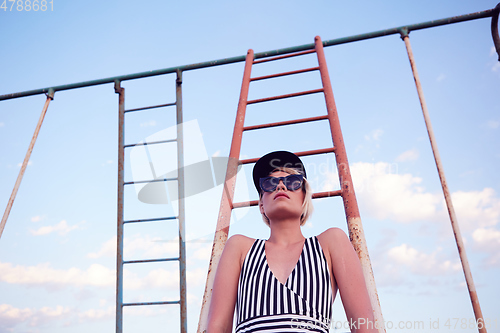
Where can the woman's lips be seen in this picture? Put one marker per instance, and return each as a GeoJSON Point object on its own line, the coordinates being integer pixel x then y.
{"type": "Point", "coordinates": [281, 194]}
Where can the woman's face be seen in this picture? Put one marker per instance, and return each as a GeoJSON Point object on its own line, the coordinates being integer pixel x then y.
{"type": "Point", "coordinates": [282, 203]}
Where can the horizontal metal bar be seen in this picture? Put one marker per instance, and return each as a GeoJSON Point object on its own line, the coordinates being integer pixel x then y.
{"type": "Point", "coordinates": [300, 154]}
{"type": "Point", "coordinates": [149, 260]}
{"type": "Point", "coordinates": [225, 61]}
{"type": "Point", "coordinates": [152, 303]}
{"type": "Point", "coordinates": [152, 220]}
{"type": "Point", "coordinates": [267, 99]}
{"type": "Point", "coordinates": [245, 203]}
{"type": "Point", "coordinates": [150, 143]}
{"type": "Point", "coordinates": [327, 194]}
{"type": "Point", "coordinates": [284, 74]}
{"type": "Point", "coordinates": [150, 181]}
{"type": "Point", "coordinates": [283, 57]}
{"type": "Point", "coordinates": [282, 123]}
{"type": "Point", "coordinates": [150, 107]}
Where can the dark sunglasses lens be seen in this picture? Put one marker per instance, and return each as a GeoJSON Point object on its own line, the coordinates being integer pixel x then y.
{"type": "Point", "coordinates": [269, 184]}
{"type": "Point", "coordinates": [293, 182]}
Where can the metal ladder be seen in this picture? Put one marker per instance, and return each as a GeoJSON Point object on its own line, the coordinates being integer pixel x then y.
{"type": "Point", "coordinates": [181, 215]}
{"type": "Point", "coordinates": [356, 233]}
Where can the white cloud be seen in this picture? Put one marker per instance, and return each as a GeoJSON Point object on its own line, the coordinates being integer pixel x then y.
{"type": "Point", "coordinates": [441, 77]}
{"type": "Point", "coordinates": [493, 124]}
{"type": "Point", "coordinates": [2, 124]}
{"type": "Point", "coordinates": [495, 67]}
{"type": "Point", "coordinates": [374, 135]}
{"type": "Point", "coordinates": [137, 245]}
{"type": "Point", "coordinates": [20, 164]}
{"type": "Point", "coordinates": [488, 240]}
{"type": "Point", "coordinates": [409, 155]}
{"type": "Point", "coordinates": [496, 64]}
{"type": "Point", "coordinates": [62, 228]}
{"type": "Point", "coordinates": [108, 249]}
{"type": "Point", "coordinates": [97, 314]}
{"type": "Point", "coordinates": [37, 218]}
{"type": "Point", "coordinates": [422, 263]}
{"type": "Point", "coordinates": [148, 123]}
{"type": "Point", "coordinates": [10, 317]}
{"type": "Point", "coordinates": [476, 208]}
{"type": "Point", "coordinates": [43, 275]}
{"type": "Point", "coordinates": [203, 253]}
{"type": "Point", "coordinates": [385, 194]}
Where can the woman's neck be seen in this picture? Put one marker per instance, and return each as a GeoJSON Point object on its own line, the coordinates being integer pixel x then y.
{"type": "Point", "coordinates": [285, 232]}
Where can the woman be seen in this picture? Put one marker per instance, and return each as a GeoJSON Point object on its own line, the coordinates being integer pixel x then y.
{"type": "Point", "coordinates": [287, 283]}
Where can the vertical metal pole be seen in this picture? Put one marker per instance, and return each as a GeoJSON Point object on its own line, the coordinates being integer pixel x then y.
{"type": "Point", "coordinates": [226, 204]}
{"type": "Point", "coordinates": [120, 201]}
{"type": "Point", "coordinates": [354, 224]}
{"type": "Point", "coordinates": [50, 96]}
{"type": "Point", "coordinates": [181, 194]}
{"type": "Point", "coordinates": [444, 185]}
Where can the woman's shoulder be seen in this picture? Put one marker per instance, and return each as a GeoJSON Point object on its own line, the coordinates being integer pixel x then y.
{"type": "Point", "coordinates": [334, 238]}
{"type": "Point", "coordinates": [238, 239]}
{"type": "Point", "coordinates": [333, 234]}
{"type": "Point", "coordinates": [239, 244]}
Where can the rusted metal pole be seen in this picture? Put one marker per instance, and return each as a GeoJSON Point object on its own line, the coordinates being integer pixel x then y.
{"type": "Point", "coordinates": [494, 29]}
{"type": "Point", "coordinates": [226, 205]}
{"type": "Point", "coordinates": [356, 233]}
{"type": "Point", "coordinates": [444, 185]}
{"type": "Point", "coordinates": [231, 60]}
{"type": "Point", "coordinates": [182, 209]}
{"type": "Point", "coordinates": [50, 96]}
{"type": "Point", "coordinates": [120, 200]}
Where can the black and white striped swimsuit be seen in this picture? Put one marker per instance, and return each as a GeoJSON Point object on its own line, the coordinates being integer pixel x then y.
{"type": "Point", "coordinates": [302, 304]}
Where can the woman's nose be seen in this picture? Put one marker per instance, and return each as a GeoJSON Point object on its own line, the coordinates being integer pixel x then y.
{"type": "Point", "coordinates": [281, 186]}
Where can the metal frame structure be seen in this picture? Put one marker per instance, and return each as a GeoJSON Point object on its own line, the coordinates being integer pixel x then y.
{"type": "Point", "coordinates": [346, 192]}
{"type": "Point", "coordinates": [403, 31]}
{"type": "Point", "coordinates": [121, 203]}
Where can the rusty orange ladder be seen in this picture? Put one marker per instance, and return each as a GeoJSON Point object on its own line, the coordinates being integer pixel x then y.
{"type": "Point", "coordinates": [356, 233]}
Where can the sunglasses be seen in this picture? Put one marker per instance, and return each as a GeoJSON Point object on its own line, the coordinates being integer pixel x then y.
{"type": "Point", "coordinates": [292, 182]}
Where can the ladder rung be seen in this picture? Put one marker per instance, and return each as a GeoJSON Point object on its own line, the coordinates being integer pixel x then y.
{"type": "Point", "coordinates": [302, 153]}
{"type": "Point", "coordinates": [152, 303]}
{"type": "Point", "coordinates": [337, 193]}
{"type": "Point", "coordinates": [267, 99]}
{"type": "Point", "coordinates": [284, 74]}
{"type": "Point", "coordinates": [150, 181]}
{"type": "Point", "coordinates": [284, 56]}
{"type": "Point", "coordinates": [150, 107]}
{"type": "Point", "coordinates": [282, 123]}
{"type": "Point", "coordinates": [151, 220]}
{"type": "Point", "coordinates": [317, 195]}
{"type": "Point", "coordinates": [245, 204]}
{"type": "Point", "coordinates": [150, 260]}
{"type": "Point", "coordinates": [150, 143]}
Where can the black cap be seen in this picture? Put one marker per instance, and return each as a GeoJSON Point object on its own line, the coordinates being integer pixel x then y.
{"type": "Point", "coordinates": [276, 159]}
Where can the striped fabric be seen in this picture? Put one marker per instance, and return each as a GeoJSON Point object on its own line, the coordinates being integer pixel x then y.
{"type": "Point", "coordinates": [302, 304]}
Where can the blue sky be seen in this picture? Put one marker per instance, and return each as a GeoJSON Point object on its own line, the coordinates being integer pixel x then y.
{"type": "Point", "coordinates": [57, 253]}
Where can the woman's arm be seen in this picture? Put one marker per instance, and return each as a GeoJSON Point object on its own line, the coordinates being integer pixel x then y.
{"type": "Point", "coordinates": [350, 281]}
{"type": "Point", "coordinates": [221, 311]}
